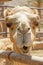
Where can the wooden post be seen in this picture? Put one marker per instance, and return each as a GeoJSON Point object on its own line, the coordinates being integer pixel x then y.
{"type": "Point", "coordinates": [25, 59]}
{"type": "Point", "coordinates": [2, 23]}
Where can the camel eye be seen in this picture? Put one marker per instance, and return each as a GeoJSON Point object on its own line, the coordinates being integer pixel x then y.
{"type": "Point", "coordinates": [8, 24]}
{"type": "Point", "coordinates": [28, 28]}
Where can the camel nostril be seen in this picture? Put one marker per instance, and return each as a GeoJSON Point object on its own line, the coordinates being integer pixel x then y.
{"type": "Point", "coordinates": [28, 28]}
{"type": "Point", "coordinates": [18, 29]}
{"type": "Point", "coordinates": [8, 24]}
{"type": "Point", "coordinates": [25, 48]}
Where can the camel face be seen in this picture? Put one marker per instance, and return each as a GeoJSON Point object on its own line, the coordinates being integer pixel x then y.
{"type": "Point", "coordinates": [22, 22]}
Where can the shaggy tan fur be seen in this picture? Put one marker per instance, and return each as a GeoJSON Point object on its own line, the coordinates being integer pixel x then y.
{"type": "Point", "coordinates": [10, 43]}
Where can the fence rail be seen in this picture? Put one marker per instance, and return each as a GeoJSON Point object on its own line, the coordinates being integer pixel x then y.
{"type": "Point", "coordinates": [40, 8]}
{"type": "Point", "coordinates": [4, 33]}
{"type": "Point", "coordinates": [21, 57]}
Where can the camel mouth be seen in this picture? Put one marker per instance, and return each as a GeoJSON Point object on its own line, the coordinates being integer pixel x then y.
{"type": "Point", "coordinates": [25, 49]}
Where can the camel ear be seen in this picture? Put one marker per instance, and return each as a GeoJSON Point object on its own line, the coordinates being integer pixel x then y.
{"type": "Point", "coordinates": [36, 20]}
{"type": "Point", "coordinates": [35, 17]}
{"type": "Point", "coordinates": [6, 12]}
{"type": "Point", "coordinates": [35, 11]}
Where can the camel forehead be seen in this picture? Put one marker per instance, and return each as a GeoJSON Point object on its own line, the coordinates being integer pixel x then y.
{"type": "Point", "coordinates": [19, 15]}
{"type": "Point", "coordinates": [23, 17]}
